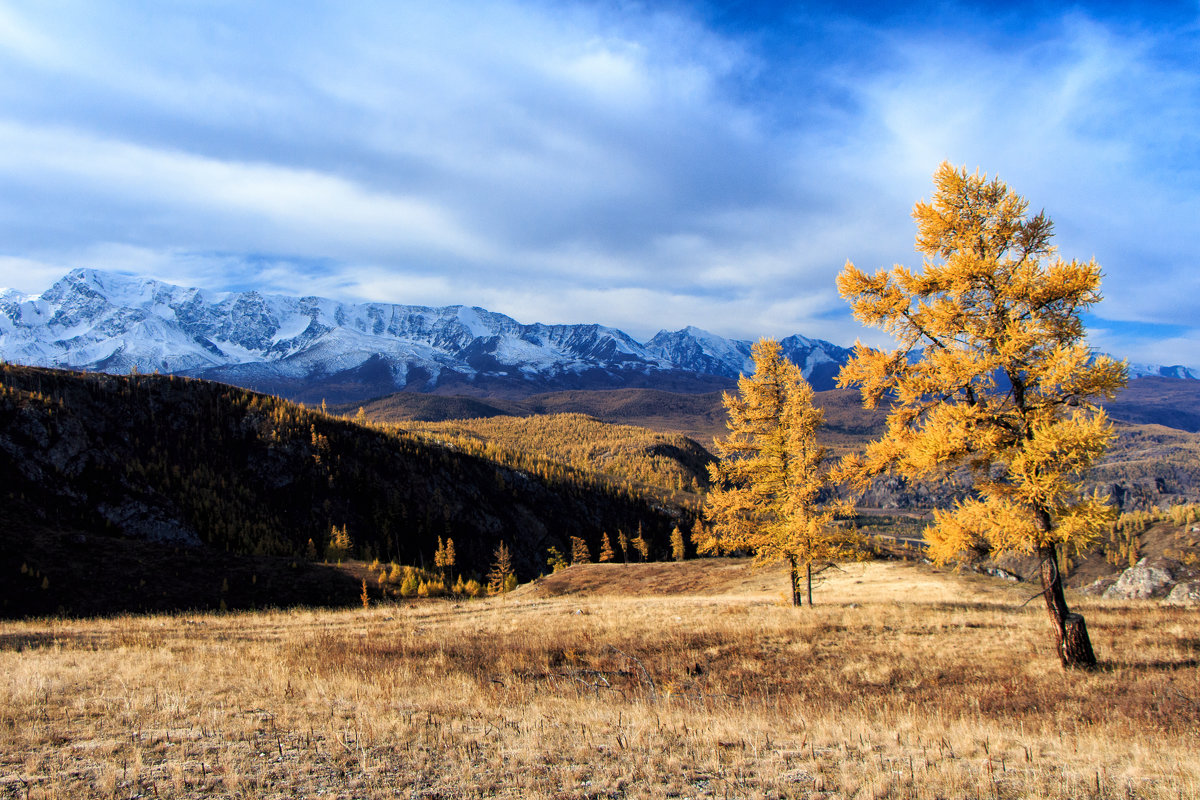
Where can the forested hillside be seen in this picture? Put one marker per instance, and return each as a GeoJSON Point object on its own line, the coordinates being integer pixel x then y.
{"type": "Point", "coordinates": [672, 466]}
{"type": "Point", "coordinates": [698, 416]}
{"type": "Point", "coordinates": [192, 464]}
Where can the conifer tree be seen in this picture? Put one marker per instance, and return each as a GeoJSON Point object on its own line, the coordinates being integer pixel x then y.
{"type": "Point", "coordinates": [443, 557]}
{"type": "Point", "coordinates": [991, 373]}
{"type": "Point", "coordinates": [641, 544]}
{"type": "Point", "coordinates": [678, 549]}
{"type": "Point", "coordinates": [501, 578]}
{"type": "Point", "coordinates": [340, 544]}
{"type": "Point", "coordinates": [579, 551]}
{"type": "Point", "coordinates": [555, 559]}
{"type": "Point", "coordinates": [606, 549]}
{"type": "Point", "coordinates": [623, 543]}
{"type": "Point", "coordinates": [766, 486]}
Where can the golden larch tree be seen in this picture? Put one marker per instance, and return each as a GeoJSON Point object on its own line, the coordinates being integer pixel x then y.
{"type": "Point", "coordinates": [444, 557]}
{"type": "Point", "coordinates": [991, 373]}
{"type": "Point", "coordinates": [768, 481]}
{"type": "Point", "coordinates": [641, 544]}
{"type": "Point", "coordinates": [501, 577]}
{"type": "Point", "coordinates": [606, 549]}
{"type": "Point", "coordinates": [678, 545]}
{"type": "Point", "coordinates": [580, 554]}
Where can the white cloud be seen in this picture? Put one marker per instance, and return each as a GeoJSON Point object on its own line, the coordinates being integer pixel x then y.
{"type": "Point", "coordinates": [574, 161]}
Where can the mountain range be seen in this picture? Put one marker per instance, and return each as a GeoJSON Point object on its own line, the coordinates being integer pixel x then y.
{"type": "Point", "coordinates": [314, 348]}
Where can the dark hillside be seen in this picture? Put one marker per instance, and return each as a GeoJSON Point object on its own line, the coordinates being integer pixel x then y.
{"type": "Point", "coordinates": [50, 569]}
{"type": "Point", "coordinates": [405, 406]}
{"type": "Point", "coordinates": [193, 464]}
{"type": "Point", "coordinates": [1170, 402]}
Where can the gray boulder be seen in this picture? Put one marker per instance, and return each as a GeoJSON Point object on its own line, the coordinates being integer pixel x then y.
{"type": "Point", "coordinates": [1143, 580]}
{"type": "Point", "coordinates": [1185, 593]}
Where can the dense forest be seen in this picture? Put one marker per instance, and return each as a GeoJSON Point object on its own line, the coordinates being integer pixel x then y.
{"type": "Point", "coordinates": [670, 466]}
{"type": "Point", "coordinates": [192, 464]}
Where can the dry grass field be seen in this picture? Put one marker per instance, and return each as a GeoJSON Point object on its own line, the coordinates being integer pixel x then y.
{"type": "Point", "coordinates": [660, 680]}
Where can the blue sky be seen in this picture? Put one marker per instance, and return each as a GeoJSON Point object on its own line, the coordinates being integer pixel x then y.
{"type": "Point", "coordinates": [641, 165]}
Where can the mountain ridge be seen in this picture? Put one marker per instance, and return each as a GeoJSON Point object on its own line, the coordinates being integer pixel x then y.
{"type": "Point", "coordinates": [310, 348]}
{"type": "Point", "coordinates": [107, 322]}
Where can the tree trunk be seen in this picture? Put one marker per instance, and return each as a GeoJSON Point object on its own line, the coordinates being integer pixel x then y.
{"type": "Point", "coordinates": [808, 567]}
{"type": "Point", "coordinates": [1070, 634]}
{"type": "Point", "coordinates": [794, 574]}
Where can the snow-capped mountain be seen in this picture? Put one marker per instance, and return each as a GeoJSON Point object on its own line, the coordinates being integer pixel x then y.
{"type": "Point", "coordinates": [700, 351]}
{"type": "Point", "coordinates": [312, 347]}
{"type": "Point", "coordinates": [1159, 371]}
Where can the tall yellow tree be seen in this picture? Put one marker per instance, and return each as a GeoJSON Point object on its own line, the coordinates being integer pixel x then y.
{"type": "Point", "coordinates": [444, 558]}
{"type": "Point", "coordinates": [991, 373]}
{"type": "Point", "coordinates": [768, 481]}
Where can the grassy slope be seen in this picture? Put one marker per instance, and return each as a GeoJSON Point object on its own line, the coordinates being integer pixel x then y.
{"type": "Point", "coordinates": [902, 682]}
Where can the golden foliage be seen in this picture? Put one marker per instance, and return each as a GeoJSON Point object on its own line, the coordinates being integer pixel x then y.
{"type": "Point", "coordinates": [766, 487]}
{"type": "Point", "coordinates": [444, 557]}
{"type": "Point", "coordinates": [991, 371]}
{"type": "Point", "coordinates": [678, 545]}
{"type": "Point", "coordinates": [576, 446]}
{"type": "Point", "coordinates": [579, 551]}
{"type": "Point", "coordinates": [501, 577]}
{"type": "Point", "coordinates": [606, 549]}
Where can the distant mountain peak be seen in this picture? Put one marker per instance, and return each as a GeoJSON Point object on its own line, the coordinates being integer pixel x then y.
{"type": "Point", "coordinates": [1159, 371]}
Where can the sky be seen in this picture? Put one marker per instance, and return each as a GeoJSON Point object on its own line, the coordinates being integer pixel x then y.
{"type": "Point", "coordinates": [640, 165]}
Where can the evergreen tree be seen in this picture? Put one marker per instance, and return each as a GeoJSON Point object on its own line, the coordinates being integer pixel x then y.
{"type": "Point", "coordinates": [766, 487]}
{"type": "Point", "coordinates": [1004, 384]}
{"type": "Point", "coordinates": [623, 543]}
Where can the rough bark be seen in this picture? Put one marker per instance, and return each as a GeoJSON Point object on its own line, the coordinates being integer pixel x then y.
{"type": "Point", "coordinates": [1070, 635]}
{"type": "Point", "coordinates": [794, 574]}
{"type": "Point", "coordinates": [808, 568]}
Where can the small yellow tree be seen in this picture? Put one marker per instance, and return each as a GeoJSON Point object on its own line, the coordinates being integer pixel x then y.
{"type": "Point", "coordinates": [678, 547]}
{"type": "Point", "coordinates": [444, 557]}
{"type": "Point", "coordinates": [606, 549]}
{"type": "Point", "coordinates": [992, 373]}
{"type": "Point", "coordinates": [340, 544]}
{"type": "Point", "coordinates": [641, 544]}
{"type": "Point", "coordinates": [579, 551]}
{"type": "Point", "coordinates": [767, 484]}
{"type": "Point", "coordinates": [501, 577]}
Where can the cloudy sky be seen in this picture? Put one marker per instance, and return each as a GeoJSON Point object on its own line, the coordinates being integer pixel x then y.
{"type": "Point", "coordinates": [642, 165]}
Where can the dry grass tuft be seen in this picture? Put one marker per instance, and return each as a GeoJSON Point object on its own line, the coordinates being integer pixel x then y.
{"type": "Point", "coordinates": [903, 682]}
